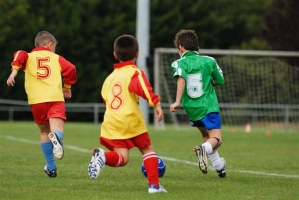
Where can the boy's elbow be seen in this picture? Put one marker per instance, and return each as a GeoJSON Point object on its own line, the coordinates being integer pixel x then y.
{"type": "Point", "coordinates": [220, 82]}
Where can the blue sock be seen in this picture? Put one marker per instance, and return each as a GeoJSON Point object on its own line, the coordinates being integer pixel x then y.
{"type": "Point", "coordinates": [48, 153]}
{"type": "Point", "coordinates": [59, 135]}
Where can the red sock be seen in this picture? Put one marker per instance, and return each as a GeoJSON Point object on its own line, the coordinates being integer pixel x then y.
{"type": "Point", "coordinates": [114, 159]}
{"type": "Point", "coordinates": [150, 161]}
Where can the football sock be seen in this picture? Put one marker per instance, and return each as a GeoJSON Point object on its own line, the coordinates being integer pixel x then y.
{"type": "Point", "coordinates": [48, 153]}
{"type": "Point", "coordinates": [150, 161]}
{"type": "Point", "coordinates": [208, 147]}
{"type": "Point", "coordinates": [216, 161]}
{"type": "Point", "coordinates": [59, 135]}
{"type": "Point", "coordinates": [114, 159]}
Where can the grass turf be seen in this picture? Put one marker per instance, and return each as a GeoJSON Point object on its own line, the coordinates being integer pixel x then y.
{"type": "Point", "coordinates": [258, 166]}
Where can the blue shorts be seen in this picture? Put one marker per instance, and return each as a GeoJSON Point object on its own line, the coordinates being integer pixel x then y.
{"type": "Point", "coordinates": [209, 122]}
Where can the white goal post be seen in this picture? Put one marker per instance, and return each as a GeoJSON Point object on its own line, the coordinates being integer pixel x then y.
{"type": "Point", "coordinates": [261, 89]}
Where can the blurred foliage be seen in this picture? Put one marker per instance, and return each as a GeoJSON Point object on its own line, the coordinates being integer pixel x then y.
{"type": "Point", "coordinates": [86, 30]}
{"type": "Point", "coordinates": [283, 27]}
{"type": "Point", "coordinates": [282, 22]}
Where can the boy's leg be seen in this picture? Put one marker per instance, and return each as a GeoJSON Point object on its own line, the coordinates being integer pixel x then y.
{"type": "Point", "coordinates": [116, 158]}
{"type": "Point", "coordinates": [46, 147]}
{"type": "Point", "coordinates": [212, 140]}
{"type": "Point", "coordinates": [57, 116]}
{"type": "Point", "coordinates": [97, 162]}
{"type": "Point", "coordinates": [149, 156]}
{"type": "Point", "coordinates": [218, 163]}
{"type": "Point", "coordinates": [215, 139]}
{"type": "Point", "coordinates": [210, 128]}
{"type": "Point", "coordinates": [50, 167]}
{"type": "Point", "coordinates": [201, 151]}
{"type": "Point", "coordinates": [56, 136]}
{"type": "Point", "coordinates": [119, 157]}
{"type": "Point", "coordinates": [150, 160]}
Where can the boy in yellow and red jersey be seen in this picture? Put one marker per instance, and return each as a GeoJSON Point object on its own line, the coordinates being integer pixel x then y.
{"type": "Point", "coordinates": [124, 127]}
{"type": "Point", "coordinates": [46, 92]}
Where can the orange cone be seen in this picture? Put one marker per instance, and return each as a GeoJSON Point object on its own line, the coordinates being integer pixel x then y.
{"type": "Point", "coordinates": [247, 128]}
{"type": "Point", "coordinates": [268, 133]}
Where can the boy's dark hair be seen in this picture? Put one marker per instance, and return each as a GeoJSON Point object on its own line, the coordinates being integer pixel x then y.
{"type": "Point", "coordinates": [126, 47]}
{"type": "Point", "coordinates": [188, 39]}
{"type": "Point", "coordinates": [43, 38]}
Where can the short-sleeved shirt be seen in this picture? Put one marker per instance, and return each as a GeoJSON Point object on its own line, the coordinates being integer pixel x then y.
{"type": "Point", "coordinates": [199, 97]}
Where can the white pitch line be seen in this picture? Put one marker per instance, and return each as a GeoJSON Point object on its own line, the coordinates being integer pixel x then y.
{"type": "Point", "coordinates": [268, 174]}
{"type": "Point", "coordinates": [75, 148]}
{"type": "Point", "coordinates": [34, 142]}
{"type": "Point", "coordinates": [239, 171]}
{"type": "Point", "coordinates": [19, 139]}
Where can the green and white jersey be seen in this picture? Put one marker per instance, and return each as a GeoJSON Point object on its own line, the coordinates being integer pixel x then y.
{"type": "Point", "coordinates": [199, 96]}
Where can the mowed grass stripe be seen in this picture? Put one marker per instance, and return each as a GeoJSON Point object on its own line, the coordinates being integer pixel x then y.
{"type": "Point", "coordinates": [75, 148]}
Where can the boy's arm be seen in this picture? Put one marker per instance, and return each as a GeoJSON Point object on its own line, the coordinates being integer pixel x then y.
{"type": "Point", "coordinates": [180, 89]}
{"type": "Point", "coordinates": [20, 59]}
{"type": "Point", "coordinates": [159, 113]}
{"type": "Point", "coordinates": [19, 62]}
{"type": "Point", "coordinates": [141, 86]}
{"type": "Point", "coordinates": [217, 76]}
{"type": "Point", "coordinates": [67, 92]}
{"type": "Point", "coordinates": [11, 79]}
{"type": "Point", "coordinates": [68, 71]}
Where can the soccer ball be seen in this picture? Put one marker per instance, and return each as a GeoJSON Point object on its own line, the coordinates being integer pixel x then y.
{"type": "Point", "coordinates": [161, 168]}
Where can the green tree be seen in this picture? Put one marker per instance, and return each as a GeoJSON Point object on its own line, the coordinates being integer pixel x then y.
{"type": "Point", "coordinates": [221, 24]}
{"type": "Point", "coordinates": [282, 22]}
{"type": "Point", "coordinates": [86, 30]}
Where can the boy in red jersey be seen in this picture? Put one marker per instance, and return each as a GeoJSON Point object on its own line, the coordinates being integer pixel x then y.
{"type": "Point", "coordinates": [45, 92]}
{"type": "Point", "coordinates": [124, 127]}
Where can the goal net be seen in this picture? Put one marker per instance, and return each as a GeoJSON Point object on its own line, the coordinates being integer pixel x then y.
{"type": "Point", "coordinates": [261, 89]}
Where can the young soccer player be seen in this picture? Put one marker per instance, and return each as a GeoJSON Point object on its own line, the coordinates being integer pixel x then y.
{"type": "Point", "coordinates": [196, 77]}
{"type": "Point", "coordinates": [45, 92]}
{"type": "Point", "coordinates": [124, 127]}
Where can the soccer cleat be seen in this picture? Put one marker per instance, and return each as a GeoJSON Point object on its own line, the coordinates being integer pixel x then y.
{"type": "Point", "coordinates": [97, 162]}
{"type": "Point", "coordinates": [50, 173]}
{"type": "Point", "coordinates": [57, 145]}
{"type": "Point", "coordinates": [201, 153]}
{"type": "Point", "coordinates": [222, 173]}
{"type": "Point", "coordinates": [154, 189]}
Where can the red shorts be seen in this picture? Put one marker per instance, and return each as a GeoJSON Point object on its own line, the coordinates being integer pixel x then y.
{"type": "Point", "coordinates": [140, 141]}
{"type": "Point", "coordinates": [43, 111]}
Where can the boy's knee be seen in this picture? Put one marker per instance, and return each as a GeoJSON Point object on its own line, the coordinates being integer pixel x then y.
{"type": "Point", "coordinates": [218, 144]}
{"type": "Point", "coordinates": [126, 161]}
{"type": "Point", "coordinates": [124, 164]}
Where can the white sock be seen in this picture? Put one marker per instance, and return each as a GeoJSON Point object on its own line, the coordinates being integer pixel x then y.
{"type": "Point", "coordinates": [216, 161]}
{"type": "Point", "coordinates": [208, 147]}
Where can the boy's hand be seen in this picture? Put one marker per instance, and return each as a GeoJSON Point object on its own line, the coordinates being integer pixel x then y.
{"type": "Point", "coordinates": [213, 82]}
{"type": "Point", "coordinates": [67, 93]}
{"type": "Point", "coordinates": [11, 79]}
{"type": "Point", "coordinates": [173, 107]}
{"type": "Point", "coordinates": [159, 113]}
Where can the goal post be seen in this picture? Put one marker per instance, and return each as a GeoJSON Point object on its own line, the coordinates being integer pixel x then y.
{"type": "Point", "coordinates": [261, 88]}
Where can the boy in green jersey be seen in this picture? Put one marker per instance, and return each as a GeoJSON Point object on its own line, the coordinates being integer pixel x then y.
{"type": "Point", "coordinates": [196, 77]}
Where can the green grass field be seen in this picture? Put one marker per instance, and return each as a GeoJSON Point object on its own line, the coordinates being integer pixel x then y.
{"type": "Point", "coordinates": [258, 166]}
